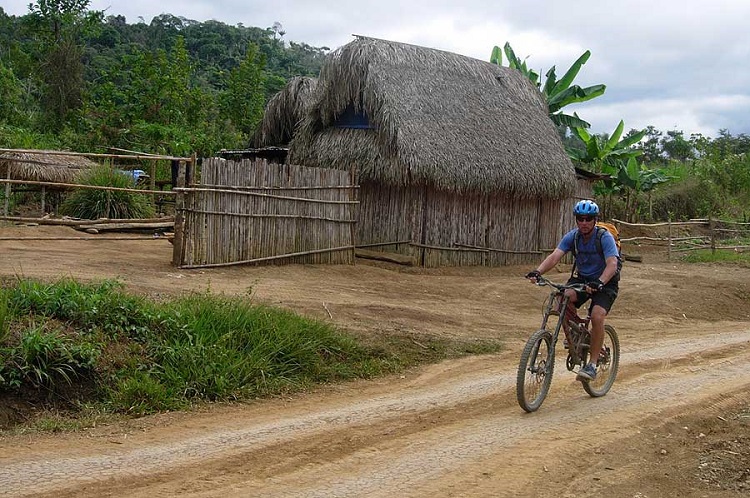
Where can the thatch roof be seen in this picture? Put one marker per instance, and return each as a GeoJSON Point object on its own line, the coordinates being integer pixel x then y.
{"type": "Point", "coordinates": [43, 166]}
{"type": "Point", "coordinates": [443, 119]}
{"type": "Point", "coordinates": [284, 111]}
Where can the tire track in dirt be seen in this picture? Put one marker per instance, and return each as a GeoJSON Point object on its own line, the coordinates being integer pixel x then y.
{"type": "Point", "coordinates": [405, 462]}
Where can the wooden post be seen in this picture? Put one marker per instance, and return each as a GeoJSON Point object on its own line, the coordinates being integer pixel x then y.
{"type": "Point", "coordinates": [152, 182]}
{"type": "Point", "coordinates": [190, 173]}
{"type": "Point", "coordinates": [179, 217]}
{"type": "Point", "coordinates": [713, 234]}
{"type": "Point", "coordinates": [44, 196]}
{"type": "Point", "coordinates": [353, 211]}
{"type": "Point", "coordinates": [423, 234]}
{"type": "Point", "coordinates": [669, 238]}
{"type": "Point", "coordinates": [7, 192]}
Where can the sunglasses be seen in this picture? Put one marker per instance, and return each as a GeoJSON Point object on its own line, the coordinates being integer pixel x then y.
{"type": "Point", "coordinates": [584, 218]}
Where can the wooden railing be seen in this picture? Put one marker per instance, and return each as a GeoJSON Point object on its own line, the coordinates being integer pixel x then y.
{"type": "Point", "coordinates": [719, 235]}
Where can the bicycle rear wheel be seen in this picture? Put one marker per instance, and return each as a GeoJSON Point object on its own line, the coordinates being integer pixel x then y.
{"type": "Point", "coordinates": [535, 371]}
{"type": "Point", "coordinates": [609, 362]}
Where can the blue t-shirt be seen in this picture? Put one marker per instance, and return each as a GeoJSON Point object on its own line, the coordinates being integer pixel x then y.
{"type": "Point", "coordinates": [589, 262]}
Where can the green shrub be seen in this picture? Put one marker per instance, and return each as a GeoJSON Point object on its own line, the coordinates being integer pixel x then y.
{"type": "Point", "coordinates": [116, 204]}
{"type": "Point", "coordinates": [691, 198]}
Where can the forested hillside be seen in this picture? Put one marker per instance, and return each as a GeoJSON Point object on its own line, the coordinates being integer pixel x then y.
{"type": "Point", "coordinates": [75, 78]}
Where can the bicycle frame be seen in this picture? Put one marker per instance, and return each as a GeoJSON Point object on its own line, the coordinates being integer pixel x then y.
{"type": "Point", "coordinates": [575, 328]}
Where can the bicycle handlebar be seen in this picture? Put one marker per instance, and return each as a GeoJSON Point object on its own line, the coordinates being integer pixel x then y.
{"type": "Point", "coordinates": [541, 282]}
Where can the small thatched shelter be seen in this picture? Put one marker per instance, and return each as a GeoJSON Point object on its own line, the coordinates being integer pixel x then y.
{"type": "Point", "coordinates": [284, 111]}
{"type": "Point", "coordinates": [457, 158]}
{"type": "Point", "coordinates": [43, 166]}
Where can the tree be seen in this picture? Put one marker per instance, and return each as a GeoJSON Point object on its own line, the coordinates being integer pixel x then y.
{"type": "Point", "coordinates": [651, 145]}
{"type": "Point", "coordinates": [557, 93]}
{"type": "Point", "coordinates": [244, 97]}
{"type": "Point", "coordinates": [60, 24]}
{"type": "Point", "coordinates": [157, 86]}
{"type": "Point", "coordinates": [10, 89]}
{"type": "Point", "coordinates": [676, 147]}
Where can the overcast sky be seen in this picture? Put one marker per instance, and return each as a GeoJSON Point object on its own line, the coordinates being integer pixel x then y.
{"type": "Point", "coordinates": [674, 64]}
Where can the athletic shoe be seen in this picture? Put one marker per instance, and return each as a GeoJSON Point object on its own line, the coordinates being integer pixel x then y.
{"type": "Point", "coordinates": [587, 373]}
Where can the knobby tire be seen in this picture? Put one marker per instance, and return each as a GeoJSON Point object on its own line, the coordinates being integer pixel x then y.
{"type": "Point", "coordinates": [607, 371]}
{"type": "Point", "coordinates": [535, 371]}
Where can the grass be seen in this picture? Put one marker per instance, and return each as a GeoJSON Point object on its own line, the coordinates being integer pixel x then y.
{"type": "Point", "coordinates": [80, 352]}
{"type": "Point", "coordinates": [722, 255]}
{"type": "Point", "coordinates": [116, 204]}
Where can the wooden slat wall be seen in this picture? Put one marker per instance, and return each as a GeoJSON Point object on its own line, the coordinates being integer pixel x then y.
{"type": "Point", "coordinates": [225, 223]}
{"type": "Point", "coordinates": [440, 225]}
{"type": "Point", "coordinates": [436, 228]}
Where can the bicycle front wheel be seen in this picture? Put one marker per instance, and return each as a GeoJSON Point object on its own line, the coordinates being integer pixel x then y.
{"type": "Point", "coordinates": [535, 371]}
{"type": "Point", "coordinates": [607, 365]}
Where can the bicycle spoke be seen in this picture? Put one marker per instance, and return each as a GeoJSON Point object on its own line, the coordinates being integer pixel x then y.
{"type": "Point", "coordinates": [535, 371]}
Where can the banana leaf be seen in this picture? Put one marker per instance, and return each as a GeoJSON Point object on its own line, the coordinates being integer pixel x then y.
{"type": "Point", "coordinates": [571, 74]}
{"type": "Point", "coordinates": [561, 119]}
{"type": "Point", "coordinates": [574, 95]}
{"type": "Point", "coordinates": [615, 138]}
{"type": "Point", "coordinates": [497, 56]}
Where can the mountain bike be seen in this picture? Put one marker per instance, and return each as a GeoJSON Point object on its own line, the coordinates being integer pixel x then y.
{"type": "Point", "coordinates": [538, 357]}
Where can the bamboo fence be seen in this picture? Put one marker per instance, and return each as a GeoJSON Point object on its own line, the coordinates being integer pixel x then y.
{"type": "Point", "coordinates": [719, 235]}
{"type": "Point", "coordinates": [253, 211]}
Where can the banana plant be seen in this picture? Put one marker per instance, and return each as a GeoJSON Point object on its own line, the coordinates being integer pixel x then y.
{"type": "Point", "coordinates": [557, 93]}
{"type": "Point", "coordinates": [616, 157]}
{"type": "Point", "coordinates": [601, 151]}
{"type": "Point", "coordinates": [514, 63]}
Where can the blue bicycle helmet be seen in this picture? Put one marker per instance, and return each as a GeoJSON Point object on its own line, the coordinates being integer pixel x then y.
{"type": "Point", "coordinates": [586, 208]}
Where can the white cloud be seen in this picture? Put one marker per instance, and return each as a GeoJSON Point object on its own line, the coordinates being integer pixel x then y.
{"type": "Point", "coordinates": [669, 63]}
{"type": "Point", "coordinates": [703, 115]}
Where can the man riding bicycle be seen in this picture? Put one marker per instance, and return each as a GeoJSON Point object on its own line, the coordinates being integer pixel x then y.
{"type": "Point", "coordinates": [599, 273]}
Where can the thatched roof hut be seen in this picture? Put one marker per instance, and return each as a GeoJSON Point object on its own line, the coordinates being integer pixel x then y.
{"type": "Point", "coordinates": [457, 160]}
{"type": "Point", "coordinates": [43, 166]}
{"type": "Point", "coordinates": [284, 111]}
{"type": "Point", "coordinates": [432, 118]}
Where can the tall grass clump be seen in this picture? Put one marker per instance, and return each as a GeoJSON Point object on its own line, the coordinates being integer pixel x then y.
{"type": "Point", "coordinates": [220, 347]}
{"type": "Point", "coordinates": [5, 316]}
{"type": "Point", "coordinates": [94, 204]}
{"type": "Point", "coordinates": [45, 359]}
{"type": "Point", "coordinates": [140, 356]}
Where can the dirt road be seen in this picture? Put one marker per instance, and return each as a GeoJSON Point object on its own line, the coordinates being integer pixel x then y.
{"type": "Point", "coordinates": [677, 421]}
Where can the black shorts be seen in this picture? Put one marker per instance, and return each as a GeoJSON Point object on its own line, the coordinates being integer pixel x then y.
{"type": "Point", "coordinates": [604, 298]}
